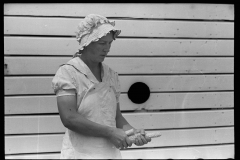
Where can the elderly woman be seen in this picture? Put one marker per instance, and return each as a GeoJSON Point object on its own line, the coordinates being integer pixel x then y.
{"type": "Point", "coordinates": [88, 97]}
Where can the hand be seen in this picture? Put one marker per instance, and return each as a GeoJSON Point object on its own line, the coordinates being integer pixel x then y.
{"type": "Point", "coordinates": [142, 139]}
{"type": "Point", "coordinates": [119, 138]}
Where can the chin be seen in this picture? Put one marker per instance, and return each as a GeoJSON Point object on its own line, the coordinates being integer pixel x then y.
{"type": "Point", "coordinates": [101, 59]}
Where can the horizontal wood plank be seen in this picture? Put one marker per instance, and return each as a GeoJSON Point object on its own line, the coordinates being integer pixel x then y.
{"type": "Point", "coordinates": [49, 65]}
{"type": "Point", "coordinates": [34, 156]}
{"type": "Point", "coordinates": [136, 10]}
{"type": "Point", "coordinates": [130, 28]}
{"type": "Point", "coordinates": [178, 119]}
{"type": "Point", "coordinates": [181, 119]}
{"type": "Point", "coordinates": [53, 143]}
{"type": "Point", "coordinates": [196, 152]}
{"type": "Point", "coordinates": [180, 83]}
{"type": "Point", "coordinates": [157, 101]}
{"type": "Point", "coordinates": [204, 152]}
{"type": "Point", "coordinates": [42, 84]}
{"type": "Point", "coordinates": [121, 47]}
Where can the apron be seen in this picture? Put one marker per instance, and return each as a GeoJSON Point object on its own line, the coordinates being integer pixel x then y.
{"type": "Point", "coordinates": [98, 105]}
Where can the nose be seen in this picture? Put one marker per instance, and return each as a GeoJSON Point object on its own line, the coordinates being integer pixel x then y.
{"type": "Point", "coordinates": [107, 48]}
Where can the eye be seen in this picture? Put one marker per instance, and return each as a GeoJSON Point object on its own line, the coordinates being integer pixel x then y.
{"type": "Point", "coordinates": [102, 43]}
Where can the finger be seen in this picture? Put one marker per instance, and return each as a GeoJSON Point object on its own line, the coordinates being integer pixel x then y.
{"type": "Point", "coordinates": [121, 146]}
{"type": "Point", "coordinates": [129, 142]}
{"type": "Point", "coordinates": [118, 146]}
{"type": "Point", "coordinates": [143, 139]}
{"type": "Point", "coordinates": [124, 144]}
{"type": "Point", "coordinates": [139, 140]}
{"type": "Point", "coordinates": [136, 131]}
{"type": "Point", "coordinates": [142, 131]}
{"type": "Point", "coordinates": [130, 132]}
{"type": "Point", "coordinates": [136, 142]}
{"type": "Point", "coordinates": [148, 138]}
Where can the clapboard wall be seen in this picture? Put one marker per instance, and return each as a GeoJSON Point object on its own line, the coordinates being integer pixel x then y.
{"type": "Point", "coordinates": [183, 52]}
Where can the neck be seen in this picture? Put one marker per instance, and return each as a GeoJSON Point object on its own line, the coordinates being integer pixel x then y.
{"type": "Point", "coordinates": [92, 65]}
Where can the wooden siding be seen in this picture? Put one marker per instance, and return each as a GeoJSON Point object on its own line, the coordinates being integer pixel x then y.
{"type": "Point", "coordinates": [19, 85]}
{"type": "Point", "coordinates": [146, 47]}
{"type": "Point", "coordinates": [183, 52]}
{"type": "Point", "coordinates": [145, 28]}
{"type": "Point", "coordinates": [195, 152]}
{"type": "Point", "coordinates": [33, 65]}
{"type": "Point", "coordinates": [157, 101]}
{"type": "Point", "coordinates": [154, 11]}
{"type": "Point", "coordinates": [44, 124]}
{"type": "Point", "coordinates": [180, 137]}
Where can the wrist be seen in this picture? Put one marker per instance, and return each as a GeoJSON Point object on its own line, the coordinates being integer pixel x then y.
{"type": "Point", "coordinates": [109, 131]}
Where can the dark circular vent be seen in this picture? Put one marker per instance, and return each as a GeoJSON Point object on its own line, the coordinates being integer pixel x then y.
{"type": "Point", "coordinates": [139, 92]}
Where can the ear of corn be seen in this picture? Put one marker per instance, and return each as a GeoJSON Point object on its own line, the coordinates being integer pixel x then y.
{"type": "Point", "coordinates": [129, 132]}
{"type": "Point", "coordinates": [150, 135]}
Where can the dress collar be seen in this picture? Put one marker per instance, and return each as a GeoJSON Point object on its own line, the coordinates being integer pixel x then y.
{"type": "Point", "coordinates": [83, 68]}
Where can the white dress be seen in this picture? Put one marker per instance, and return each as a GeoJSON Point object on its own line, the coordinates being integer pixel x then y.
{"type": "Point", "coordinates": [97, 101]}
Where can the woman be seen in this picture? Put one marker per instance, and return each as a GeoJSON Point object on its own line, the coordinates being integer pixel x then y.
{"type": "Point", "coordinates": [88, 97]}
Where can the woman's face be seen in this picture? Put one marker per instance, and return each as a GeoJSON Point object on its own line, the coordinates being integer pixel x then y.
{"type": "Point", "coordinates": [97, 51]}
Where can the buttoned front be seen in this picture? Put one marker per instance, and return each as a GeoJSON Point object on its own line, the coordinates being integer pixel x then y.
{"type": "Point", "coordinates": [96, 101]}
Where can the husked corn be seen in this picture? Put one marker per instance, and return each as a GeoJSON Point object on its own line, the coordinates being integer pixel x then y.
{"type": "Point", "coordinates": [151, 135]}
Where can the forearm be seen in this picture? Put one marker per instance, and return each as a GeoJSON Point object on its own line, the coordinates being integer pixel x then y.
{"type": "Point", "coordinates": [84, 126]}
{"type": "Point", "coordinates": [71, 119]}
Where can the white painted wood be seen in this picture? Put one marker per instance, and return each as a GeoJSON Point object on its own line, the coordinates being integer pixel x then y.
{"type": "Point", "coordinates": [28, 85]}
{"type": "Point", "coordinates": [121, 47]}
{"type": "Point", "coordinates": [42, 84]}
{"type": "Point", "coordinates": [30, 105]}
{"type": "Point", "coordinates": [171, 101]}
{"type": "Point", "coordinates": [130, 28]}
{"type": "Point", "coordinates": [34, 156]}
{"type": "Point", "coordinates": [33, 144]}
{"type": "Point", "coordinates": [180, 119]}
{"type": "Point", "coordinates": [146, 120]}
{"type": "Point", "coordinates": [49, 65]}
{"type": "Point", "coordinates": [33, 124]}
{"type": "Point", "coordinates": [136, 10]}
{"type": "Point", "coordinates": [171, 47]}
{"type": "Point", "coordinates": [180, 83]}
{"type": "Point", "coordinates": [173, 138]}
{"type": "Point", "coordinates": [170, 65]}
{"type": "Point", "coordinates": [205, 152]}
{"type": "Point", "coordinates": [156, 101]}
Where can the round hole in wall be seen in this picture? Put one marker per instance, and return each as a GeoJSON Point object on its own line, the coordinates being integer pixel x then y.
{"type": "Point", "coordinates": [139, 92]}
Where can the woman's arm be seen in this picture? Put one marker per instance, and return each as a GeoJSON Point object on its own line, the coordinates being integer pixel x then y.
{"type": "Point", "coordinates": [122, 123]}
{"type": "Point", "coordinates": [67, 106]}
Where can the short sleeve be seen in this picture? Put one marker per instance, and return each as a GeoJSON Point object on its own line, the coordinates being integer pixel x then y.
{"type": "Point", "coordinates": [64, 82]}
